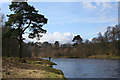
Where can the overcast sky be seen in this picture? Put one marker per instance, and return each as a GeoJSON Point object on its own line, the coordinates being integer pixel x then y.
{"type": "Point", "coordinates": [67, 19]}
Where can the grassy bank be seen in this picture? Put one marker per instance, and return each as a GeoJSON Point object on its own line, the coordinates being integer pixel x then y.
{"type": "Point", "coordinates": [104, 57]}
{"type": "Point", "coordinates": [14, 67]}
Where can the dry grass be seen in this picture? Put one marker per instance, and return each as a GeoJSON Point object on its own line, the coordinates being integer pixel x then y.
{"type": "Point", "coordinates": [104, 57]}
{"type": "Point", "coordinates": [14, 67]}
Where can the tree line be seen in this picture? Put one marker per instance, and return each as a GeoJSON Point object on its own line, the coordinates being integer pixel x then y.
{"type": "Point", "coordinates": [107, 43]}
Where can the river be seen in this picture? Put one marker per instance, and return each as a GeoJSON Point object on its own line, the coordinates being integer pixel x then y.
{"type": "Point", "coordinates": [87, 68]}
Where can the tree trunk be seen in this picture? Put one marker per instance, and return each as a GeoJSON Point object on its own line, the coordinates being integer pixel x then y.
{"type": "Point", "coordinates": [20, 45]}
{"type": "Point", "coordinates": [36, 51]}
{"type": "Point", "coordinates": [20, 50]}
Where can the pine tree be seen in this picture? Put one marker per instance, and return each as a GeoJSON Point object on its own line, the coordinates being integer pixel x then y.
{"type": "Point", "coordinates": [25, 18]}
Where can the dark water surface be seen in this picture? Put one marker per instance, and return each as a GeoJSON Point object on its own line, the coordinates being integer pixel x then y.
{"type": "Point", "coordinates": [87, 68]}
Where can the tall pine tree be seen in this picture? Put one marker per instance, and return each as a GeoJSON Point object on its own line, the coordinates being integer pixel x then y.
{"type": "Point", "coordinates": [25, 18]}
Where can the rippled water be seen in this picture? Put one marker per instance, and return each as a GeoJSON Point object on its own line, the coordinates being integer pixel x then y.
{"type": "Point", "coordinates": [87, 68]}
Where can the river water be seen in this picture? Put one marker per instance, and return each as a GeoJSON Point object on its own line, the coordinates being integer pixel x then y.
{"type": "Point", "coordinates": [87, 68]}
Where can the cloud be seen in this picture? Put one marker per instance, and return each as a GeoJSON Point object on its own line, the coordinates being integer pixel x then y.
{"type": "Point", "coordinates": [106, 12]}
{"type": "Point", "coordinates": [105, 6]}
{"type": "Point", "coordinates": [56, 36]}
{"type": "Point", "coordinates": [88, 5]}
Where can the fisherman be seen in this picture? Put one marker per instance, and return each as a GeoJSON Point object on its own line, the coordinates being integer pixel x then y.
{"type": "Point", "coordinates": [49, 58]}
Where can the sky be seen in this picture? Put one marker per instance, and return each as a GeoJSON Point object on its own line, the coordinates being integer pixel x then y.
{"type": "Point", "coordinates": [67, 19]}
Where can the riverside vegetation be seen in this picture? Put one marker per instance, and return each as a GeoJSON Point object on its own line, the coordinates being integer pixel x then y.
{"type": "Point", "coordinates": [105, 46]}
{"type": "Point", "coordinates": [14, 67]}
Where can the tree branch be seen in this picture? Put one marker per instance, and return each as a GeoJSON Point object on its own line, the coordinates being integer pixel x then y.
{"type": "Point", "coordinates": [27, 26]}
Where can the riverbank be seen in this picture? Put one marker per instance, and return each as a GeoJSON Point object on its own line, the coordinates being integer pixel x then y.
{"type": "Point", "coordinates": [104, 57]}
{"type": "Point", "coordinates": [14, 67]}
{"type": "Point", "coordinates": [93, 57]}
